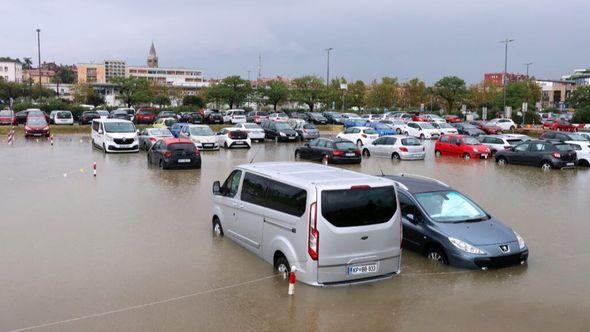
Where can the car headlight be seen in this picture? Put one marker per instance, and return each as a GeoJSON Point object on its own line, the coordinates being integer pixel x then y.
{"type": "Point", "coordinates": [464, 246]}
{"type": "Point", "coordinates": [521, 243]}
{"type": "Point", "coordinates": [282, 133]}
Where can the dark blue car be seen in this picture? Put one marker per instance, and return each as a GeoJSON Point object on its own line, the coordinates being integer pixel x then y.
{"type": "Point", "coordinates": [177, 127]}
{"type": "Point", "coordinates": [381, 128]}
{"type": "Point", "coordinates": [447, 227]}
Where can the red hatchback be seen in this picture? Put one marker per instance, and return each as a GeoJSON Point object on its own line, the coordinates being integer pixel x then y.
{"type": "Point", "coordinates": [145, 115]}
{"type": "Point", "coordinates": [452, 119]}
{"type": "Point", "coordinates": [418, 118]}
{"type": "Point", "coordinates": [560, 125]}
{"type": "Point", "coordinates": [7, 117]}
{"type": "Point", "coordinates": [489, 129]}
{"type": "Point", "coordinates": [466, 147]}
{"type": "Point", "coordinates": [36, 126]}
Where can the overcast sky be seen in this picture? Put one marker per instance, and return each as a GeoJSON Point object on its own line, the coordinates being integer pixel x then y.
{"type": "Point", "coordinates": [420, 38]}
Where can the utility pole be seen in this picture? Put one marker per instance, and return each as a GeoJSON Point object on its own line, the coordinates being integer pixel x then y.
{"type": "Point", "coordinates": [248, 75]}
{"type": "Point", "coordinates": [39, 54]}
{"type": "Point", "coordinates": [527, 68]}
{"type": "Point", "coordinates": [259, 66]}
{"type": "Point", "coordinates": [328, 65]}
{"type": "Point", "coordinates": [504, 80]}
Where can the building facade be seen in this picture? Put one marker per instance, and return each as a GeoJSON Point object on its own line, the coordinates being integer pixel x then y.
{"type": "Point", "coordinates": [581, 77]}
{"type": "Point", "coordinates": [11, 70]}
{"type": "Point", "coordinates": [33, 74]}
{"type": "Point", "coordinates": [114, 68]}
{"type": "Point", "coordinates": [555, 93]}
{"type": "Point", "coordinates": [91, 73]}
{"type": "Point", "coordinates": [490, 79]}
{"type": "Point", "coordinates": [176, 77]}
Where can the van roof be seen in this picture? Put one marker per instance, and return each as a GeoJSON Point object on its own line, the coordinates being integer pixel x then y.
{"type": "Point", "coordinates": [310, 175]}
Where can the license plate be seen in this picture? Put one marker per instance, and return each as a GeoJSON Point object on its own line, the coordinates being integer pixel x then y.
{"type": "Point", "coordinates": [570, 164]}
{"type": "Point", "coordinates": [484, 155]}
{"type": "Point", "coordinates": [208, 145]}
{"type": "Point", "coordinates": [291, 137]}
{"type": "Point", "coordinates": [350, 154]}
{"type": "Point", "coordinates": [184, 160]}
{"type": "Point", "coordinates": [362, 269]}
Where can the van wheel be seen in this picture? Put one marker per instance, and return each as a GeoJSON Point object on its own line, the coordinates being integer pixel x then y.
{"type": "Point", "coordinates": [217, 229]}
{"type": "Point", "coordinates": [398, 131]}
{"type": "Point", "coordinates": [512, 128]}
{"type": "Point", "coordinates": [395, 156]}
{"type": "Point", "coordinates": [466, 156]}
{"type": "Point", "coordinates": [406, 133]}
{"type": "Point", "coordinates": [104, 148]}
{"type": "Point", "coordinates": [282, 267]}
{"type": "Point", "coordinates": [436, 255]}
{"type": "Point", "coordinates": [437, 153]}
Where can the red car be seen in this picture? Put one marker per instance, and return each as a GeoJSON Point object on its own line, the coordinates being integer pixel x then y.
{"type": "Point", "coordinates": [557, 124]}
{"type": "Point", "coordinates": [452, 119]}
{"type": "Point", "coordinates": [7, 117]}
{"type": "Point", "coordinates": [37, 126]}
{"type": "Point", "coordinates": [466, 147]}
{"type": "Point", "coordinates": [487, 128]}
{"type": "Point", "coordinates": [418, 118]}
{"type": "Point", "coordinates": [145, 115]}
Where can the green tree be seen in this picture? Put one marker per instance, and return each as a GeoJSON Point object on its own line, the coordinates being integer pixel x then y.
{"type": "Point", "coordinates": [65, 75]}
{"type": "Point", "coordinates": [383, 94]}
{"type": "Point", "coordinates": [451, 89]}
{"type": "Point", "coordinates": [333, 94]}
{"type": "Point", "coordinates": [274, 92]}
{"type": "Point", "coordinates": [519, 92]}
{"type": "Point", "coordinates": [12, 90]}
{"type": "Point", "coordinates": [415, 93]}
{"type": "Point", "coordinates": [232, 90]}
{"type": "Point", "coordinates": [85, 94]}
{"type": "Point", "coordinates": [193, 100]}
{"type": "Point", "coordinates": [580, 97]}
{"type": "Point", "coordinates": [355, 94]}
{"type": "Point", "coordinates": [307, 90]}
{"type": "Point", "coordinates": [582, 115]}
{"type": "Point", "coordinates": [133, 90]}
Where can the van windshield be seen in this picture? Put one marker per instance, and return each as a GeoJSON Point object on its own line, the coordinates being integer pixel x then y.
{"type": "Point", "coordinates": [119, 127]}
{"type": "Point", "coordinates": [358, 207]}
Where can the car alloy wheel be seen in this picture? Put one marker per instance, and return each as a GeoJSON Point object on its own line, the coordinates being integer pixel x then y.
{"type": "Point", "coordinates": [406, 133]}
{"type": "Point", "coordinates": [502, 161]}
{"type": "Point", "coordinates": [217, 229]}
{"type": "Point", "coordinates": [282, 267]}
{"type": "Point", "coordinates": [395, 156]}
{"type": "Point", "coordinates": [546, 166]}
{"type": "Point", "coordinates": [437, 153]}
{"type": "Point", "coordinates": [437, 256]}
{"type": "Point", "coordinates": [398, 131]}
{"type": "Point", "coordinates": [422, 136]}
{"type": "Point", "coordinates": [466, 156]}
{"type": "Point", "coordinates": [325, 160]}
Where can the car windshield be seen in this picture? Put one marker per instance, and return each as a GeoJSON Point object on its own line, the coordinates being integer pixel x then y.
{"type": "Point", "coordinates": [443, 125]}
{"type": "Point", "coordinates": [450, 207]}
{"type": "Point", "coordinates": [64, 115]}
{"type": "Point", "coordinates": [160, 132]}
{"type": "Point", "coordinates": [411, 141]}
{"type": "Point", "coordinates": [578, 137]}
{"type": "Point", "coordinates": [358, 207]}
{"type": "Point", "coordinates": [239, 113]}
{"type": "Point", "coordinates": [103, 113]}
{"type": "Point", "coordinates": [469, 126]}
{"type": "Point", "coordinates": [169, 122]}
{"type": "Point", "coordinates": [345, 146]}
{"type": "Point", "coordinates": [372, 131]}
{"type": "Point", "coordinates": [186, 147]}
{"type": "Point", "coordinates": [514, 141]}
{"type": "Point", "coordinates": [5, 113]}
{"type": "Point", "coordinates": [471, 141]}
{"type": "Point", "coordinates": [426, 125]}
{"type": "Point", "coordinates": [36, 121]}
{"type": "Point", "coordinates": [282, 125]}
{"type": "Point", "coordinates": [119, 127]}
{"type": "Point", "coordinates": [201, 131]}
{"type": "Point", "coordinates": [563, 147]}
{"type": "Point", "coordinates": [308, 126]}
{"type": "Point", "coordinates": [381, 126]}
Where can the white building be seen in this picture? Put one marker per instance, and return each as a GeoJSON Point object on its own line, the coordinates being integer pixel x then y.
{"type": "Point", "coordinates": [176, 77]}
{"type": "Point", "coordinates": [114, 68]}
{"type": "Point", "coordinates": [11, 70]}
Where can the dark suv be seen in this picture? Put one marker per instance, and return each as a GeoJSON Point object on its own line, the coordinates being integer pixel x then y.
{"type": "Point", "coordinates": [448, 227]}
{"type": "Point", "coordinates": [316, 118]}
{"type": "Point", "coordinates": [544, 154]}
{"type": "Point", "coordinates": [562, 136]}
{"type": "Point", "coordinates": [278, 131]}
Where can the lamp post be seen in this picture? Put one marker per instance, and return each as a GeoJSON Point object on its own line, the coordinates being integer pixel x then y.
{"type": "Point", "coordinates": [39, 54]}
{"type": "Point", "coordinates": [328, 65]}
{"type": "Point", "coordinates": [527, 68]}
{"type": "Point", "coordinates": [505, 42]}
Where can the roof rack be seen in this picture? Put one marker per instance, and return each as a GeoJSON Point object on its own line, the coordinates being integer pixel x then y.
{"type": "Point", "coordinates": [416, 176]}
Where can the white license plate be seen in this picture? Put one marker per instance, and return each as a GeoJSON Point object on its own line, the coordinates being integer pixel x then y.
{"type": "Point", "coordinates": [291, 137]}
{"type": "Point", "coordinates": [184, 160]}
{"type": "Point", "coordinates": [350, 154]}
{"type": "Point", "coordinates": [362, 269]}
{"type": "Point", "coordinates": [207, 145]}
{"type": "Point", "coordinates": [570, 164]}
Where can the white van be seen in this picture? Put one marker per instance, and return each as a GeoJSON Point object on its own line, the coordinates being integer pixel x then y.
{"type": "Point", "coordinates": [335, 226]}
{"type": "Point", "coordinates": [235, 116]}
{"type": "Point", "coordinates": [114, 135]}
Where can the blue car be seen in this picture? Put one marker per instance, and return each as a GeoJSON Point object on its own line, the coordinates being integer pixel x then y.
{"type": "Point", "coordinates": [177, 127]}
{"type": "Point", "coordinates": [447, 227]}
{"type": "Point", "coordinates": [355, 123]}
{"type": "Point", "coordinates": [381, 128]}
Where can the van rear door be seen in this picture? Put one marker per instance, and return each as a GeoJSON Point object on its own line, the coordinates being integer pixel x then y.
{"type": "Point", "coordinates": [359, 233]}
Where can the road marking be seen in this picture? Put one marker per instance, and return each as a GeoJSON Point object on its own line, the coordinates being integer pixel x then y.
{"type": "Point", "coordinates": [141, 306]}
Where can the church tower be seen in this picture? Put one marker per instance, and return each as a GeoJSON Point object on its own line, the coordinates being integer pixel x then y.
{"type": "Point", "coordinates": [152, 59]}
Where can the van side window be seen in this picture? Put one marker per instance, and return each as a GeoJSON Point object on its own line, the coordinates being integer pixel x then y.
{"type": "Point", "coordinates": [95, 125]}
{"type": "Point", "coordinates": [230, 186]}
{"type": "Point", "coordinates": [273, 195]}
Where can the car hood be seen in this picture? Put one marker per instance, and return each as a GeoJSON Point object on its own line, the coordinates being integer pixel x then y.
{"type": "Point", "coordinates": [204, 139]}
{"type": "Point", "coordinates": [485, 232]}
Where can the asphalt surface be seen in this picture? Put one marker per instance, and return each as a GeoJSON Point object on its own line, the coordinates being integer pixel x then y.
{"type": "Point", "coordinates": [132, 250]}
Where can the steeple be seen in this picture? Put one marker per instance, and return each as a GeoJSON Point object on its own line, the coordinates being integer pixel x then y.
{"type": "Point", "coordinates": [152, 59]}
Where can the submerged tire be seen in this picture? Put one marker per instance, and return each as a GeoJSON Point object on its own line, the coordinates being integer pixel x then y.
{"type": "Point", "coordinates": [282, 267]}
{"type": "Point", "coordinates": [436, 255]}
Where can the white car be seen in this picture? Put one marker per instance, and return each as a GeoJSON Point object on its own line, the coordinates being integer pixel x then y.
{"type": "Point", "coordinates": [233, 138]}
{"type": "Point", "coordinates": [255, 132]}
{"type": "Point", "coordinates": [445, 128]}
{"type": "Point", "coordinates": [499, 142]}
{"type": "Point", "coordinates": [522, 137]}
{"type": "Point", "coordinates": [423, 130]}
{"type": "Point", "coordinates": [201, 135]}
{"type": "Point", "coordinates": [582, 149]}
{"type": "Point", "coordinates": [235, 116]}
{"type": "Point", "coordinates": [505, 124]}
{"type": "Point", "coordinates": [359, 135]}
{"type": "Point", "coordinates": [61, 117]}
{"type": "Point", "coordinates": [585, 134]}
{"type": "Point", "coordinates": [396, 147]}
{"type": "Point", "coordinates": [372, 117]}
{"type": "Point", "coordinates": [278, 117]}
{"type": "Point", "coordinates": [434, 118]}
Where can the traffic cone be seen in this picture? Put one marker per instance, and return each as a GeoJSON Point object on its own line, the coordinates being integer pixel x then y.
{"type": "Point", "coordinates": [51, 139]}
{"type": "Point", "coordinates": [292, 279]}
{"type": "Point", "coordinates": [94, 169]}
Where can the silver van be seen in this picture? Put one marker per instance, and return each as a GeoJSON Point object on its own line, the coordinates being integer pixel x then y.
{"type": "Point", "coordinates": [335, 226]}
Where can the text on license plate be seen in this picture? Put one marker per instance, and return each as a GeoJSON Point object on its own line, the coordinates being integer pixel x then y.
{"type": "Point", "coordinates": [570, 164]}
{"type": "Point", "coordinates": [184, 160]}
{"type": "Point", "coordinates": [362, 269]}
{"type": "Point", "coordinates": [350, 154]}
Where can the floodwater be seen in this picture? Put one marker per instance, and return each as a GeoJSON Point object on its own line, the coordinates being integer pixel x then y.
{"type": "Point", "coordinates": [132, 250]}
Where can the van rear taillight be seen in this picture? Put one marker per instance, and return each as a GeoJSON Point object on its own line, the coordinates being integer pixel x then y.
{"type": "Point", "coordinates": [313, 245]}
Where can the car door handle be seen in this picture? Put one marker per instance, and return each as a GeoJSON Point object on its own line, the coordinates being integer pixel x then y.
{"type": "Point", "coordinates": [234, 203]}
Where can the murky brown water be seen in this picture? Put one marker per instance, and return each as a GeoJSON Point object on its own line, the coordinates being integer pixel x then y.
{"type": "Point", "coordinates": [131, 250]}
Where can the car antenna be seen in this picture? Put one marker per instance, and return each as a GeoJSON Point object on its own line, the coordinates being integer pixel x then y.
{"type": "Point", "coordinates": [255, 154]}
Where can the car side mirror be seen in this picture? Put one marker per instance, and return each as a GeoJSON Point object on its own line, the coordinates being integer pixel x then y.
{"type": "Point", "coordinates": [306, 144]}
{"type": "Point", "coordinates": [412, 218]}
{"type": "Point", "coordinates": [216, 188]}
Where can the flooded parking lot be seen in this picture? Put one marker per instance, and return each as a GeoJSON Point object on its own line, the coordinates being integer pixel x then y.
{"type": "Point", "coordinates": [132, 250]}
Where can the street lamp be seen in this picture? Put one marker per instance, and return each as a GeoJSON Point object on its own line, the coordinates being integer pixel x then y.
{"type": "Point", "coordinates": [39, 53]}
{"type": "Point", "coordinates": [506, 42]}
{"type": "Point", "coordinates": [527, 68]}
{"type": "Point", "coordinates": [328, 65]}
